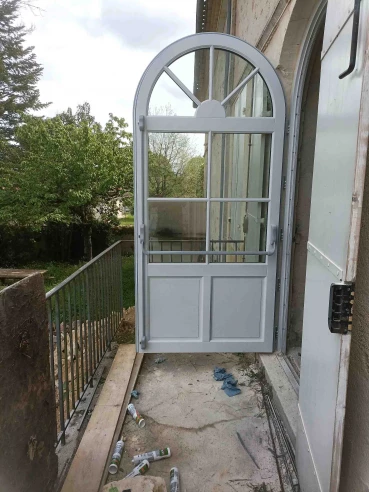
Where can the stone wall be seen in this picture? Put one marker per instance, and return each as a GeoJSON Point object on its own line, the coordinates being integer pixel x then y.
{"type": "Point", "coordinates": [28, 423]}
{"type": "Point", "coordinates": [355, 459]}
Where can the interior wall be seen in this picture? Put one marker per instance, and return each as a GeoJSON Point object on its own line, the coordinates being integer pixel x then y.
{"type": "Point", "coordinates": [309, 114]}
{"type": "Point", "coordinates": [355, 458]}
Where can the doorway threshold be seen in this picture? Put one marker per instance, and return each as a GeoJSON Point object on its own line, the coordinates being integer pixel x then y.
{"type": "Point", "coordinates": [284, 391]}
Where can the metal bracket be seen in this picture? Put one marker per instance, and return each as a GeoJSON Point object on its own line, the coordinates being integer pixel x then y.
{"type": "Point", "coordinates": [143, 343]}
{"type": "Point", "coordinates": [141, 123]}
{"type": "Point", "coordinates": [341, 300]}
{"type": "Point", "coordinates": [325, 261]}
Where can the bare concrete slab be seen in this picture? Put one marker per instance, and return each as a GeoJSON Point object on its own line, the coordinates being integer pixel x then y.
{"type": "Point", "coordinates": [185, 409]}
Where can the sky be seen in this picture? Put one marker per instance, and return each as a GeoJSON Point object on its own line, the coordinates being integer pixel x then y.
{"type": "Point", "coordinates": [97, 50]}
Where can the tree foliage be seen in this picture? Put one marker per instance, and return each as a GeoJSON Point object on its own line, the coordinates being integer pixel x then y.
{"type": "Point", "coordinates": [69, 170]}
{"type": "Point", "coordinates": [19, 70]}
{"type": "Point", "coordinates": [174, 168]}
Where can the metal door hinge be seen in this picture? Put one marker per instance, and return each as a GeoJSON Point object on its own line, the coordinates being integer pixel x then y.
{"type": "Point", "coordinates": [284, 182]}
{"type": "Point", "coordinates": [276, 333]}
{"type": "Point", "coordinates": [141, 123]}
{"type": "Point", "coordinates": [281, 235]}
{"type": "Point", "coordinates": [143, 343]}
{"type": "Point", "coordinates": [278, 284]}
{"type": "Point", "coordinates": [341, 301]}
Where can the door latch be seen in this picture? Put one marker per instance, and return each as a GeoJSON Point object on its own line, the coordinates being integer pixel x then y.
{"type": "Point", "coordinates": [341, 300]}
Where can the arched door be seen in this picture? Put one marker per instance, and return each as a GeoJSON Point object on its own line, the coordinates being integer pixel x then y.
{"type": "Point", "coordinates": [207, 193]}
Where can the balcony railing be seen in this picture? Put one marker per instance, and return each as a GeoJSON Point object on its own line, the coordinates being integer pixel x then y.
{"type": "Point", "coordinates": [84, 312]}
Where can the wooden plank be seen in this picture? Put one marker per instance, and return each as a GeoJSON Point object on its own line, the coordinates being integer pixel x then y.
{"type": "Point", "coordinates": [89, 462]}
{"type": "Point", "coordinates": [18, 273]}
{"type": "Point", "coordinates": [123, 413]}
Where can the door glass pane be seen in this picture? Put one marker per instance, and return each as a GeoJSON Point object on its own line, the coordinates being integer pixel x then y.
{"type": "Point", "coordinates": [238, 226]}
{"type": "Point", "coordinates": [240, 165]}
{"type": "Point", "coordinates": [192, 70]}
{"type": "Point", "coordinates": [253, 99]}
{"type": "Point", "coordinates": [229, 70]}
{"type": "Point", "coordinates": [177, 165]}
{"type": "Point", "coordinates": [177, 226]}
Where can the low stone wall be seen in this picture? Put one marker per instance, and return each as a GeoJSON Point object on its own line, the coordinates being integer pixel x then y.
{"type": "Point", "coordinates": [27, 409]}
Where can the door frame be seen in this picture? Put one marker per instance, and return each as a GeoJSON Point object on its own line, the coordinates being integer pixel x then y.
{"type": "Point", "coordinates": [291, 171]}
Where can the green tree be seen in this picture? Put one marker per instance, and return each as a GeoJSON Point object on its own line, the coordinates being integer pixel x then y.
{"type": "Point", "coordinates": [193, 178]}
{"type": "Point", "coordinates": [19, 70]}
{"type": "Point", "coordinates": [174, 168]}
{"type": "Point", "coordinates": [70, 170]}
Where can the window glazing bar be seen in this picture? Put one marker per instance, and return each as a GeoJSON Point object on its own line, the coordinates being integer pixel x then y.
{"type": "Point", "coordinates": [182, 86]}
{"type": "Point", "coordinates": [240, 85]}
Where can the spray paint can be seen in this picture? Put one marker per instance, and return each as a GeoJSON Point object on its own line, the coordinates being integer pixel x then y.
{"type": "Point", "coordinates": [158, 454]}
{"type": "Point", "coordinates": [117, 456]}
{"type": "Point", "coordinates": [140, 469]}
{"type": "Point", "coordinates": [136, 416]}
{"type": "Point", "coordinates": [174, 480]}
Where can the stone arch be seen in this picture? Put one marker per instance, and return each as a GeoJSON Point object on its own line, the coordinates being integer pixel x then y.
{"type": "Point", "coordinates": [294, 29]}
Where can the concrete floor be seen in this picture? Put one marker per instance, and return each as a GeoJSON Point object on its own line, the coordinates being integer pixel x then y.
{"type": "Point", "coordinates": [185, 409]}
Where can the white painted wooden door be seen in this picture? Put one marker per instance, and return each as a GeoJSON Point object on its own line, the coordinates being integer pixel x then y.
{"type": "Point", "coordinates": [340, 158]}
{"type": "Point", "coordinates": [208, 177]}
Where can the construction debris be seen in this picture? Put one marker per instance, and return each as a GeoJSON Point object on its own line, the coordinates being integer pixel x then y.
{"type": "Point", "coordinates": [246, 449]}
{"type": "Point", "coordinates": [229, 382]}
{"type": "Point", "coordinates": [116, 458]}
{"type": "Point", "coordinates": [159, 454]}
{"type": "Point", "coordinates": [160, 360]}
{"type": "Point", "coordinates": [135, 394]}
{"type": "Point", "coordinates": [174, 480]}
{"type": "Point", "coordinates": [140, 469]}
{"type": "Point", "coordinates": [137, 484]}
{"type": "Point", "coordinates": [136, 416]}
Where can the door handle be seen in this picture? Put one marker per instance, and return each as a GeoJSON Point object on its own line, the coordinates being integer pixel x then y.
{"type": "Point", "coordinates": [354, 41]}
{"type": "Point", "coordinates": [273, 240]}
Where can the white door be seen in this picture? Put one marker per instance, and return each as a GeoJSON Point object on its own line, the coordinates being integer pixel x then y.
{"type": "Point", "coordinates": [208, 177]}
{"type": "Point", "coordinates": [332, 248]}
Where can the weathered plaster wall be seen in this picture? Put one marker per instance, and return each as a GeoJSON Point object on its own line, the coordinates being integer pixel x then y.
{"type": "Point", "coordinates": [277, 28]}
{"type": "Point", "coordinates": [251, 18]}
{"type": "Point", "coordinates": [355, 459]}
{"type": "Point", "coordinates": [27, 425]}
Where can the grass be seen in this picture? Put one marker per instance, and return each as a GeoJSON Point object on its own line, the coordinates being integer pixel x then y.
{"type": "Point", "coordinates": [127, 220]}
{"type": "Point", "coordinates": [57, 272]}
{"type": "Point", "coordinates": [128, 281]}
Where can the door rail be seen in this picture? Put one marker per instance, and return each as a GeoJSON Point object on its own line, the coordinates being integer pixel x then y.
{"type": "Point", "coordinates": [84, 311]}
{"type": "Point", "coordinates": [268, 252]}
{"type": "Point", "coordinates": [221, 244]}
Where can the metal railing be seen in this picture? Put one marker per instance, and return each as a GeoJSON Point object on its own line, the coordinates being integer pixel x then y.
{"type": "Point", "coordinates": [84, 312]}
{"type": "Point", "coordinates": [190, 245]}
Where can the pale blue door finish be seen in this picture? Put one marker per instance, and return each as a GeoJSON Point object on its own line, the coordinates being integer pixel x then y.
{"type": "Point", "coordinates": [207, 197]}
